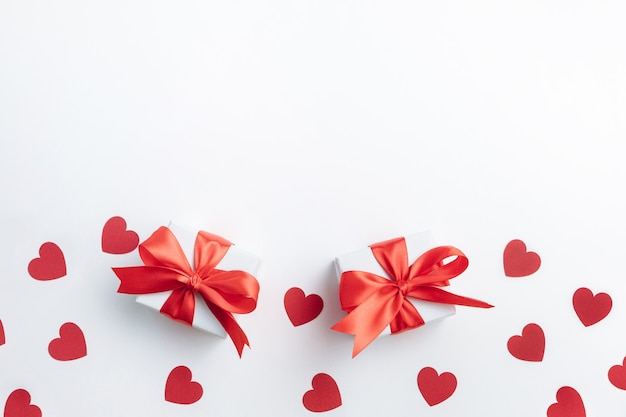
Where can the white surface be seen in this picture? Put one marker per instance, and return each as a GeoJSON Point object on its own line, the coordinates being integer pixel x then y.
{"type": "Point", "coordinates": [234, 259]}
{"type": "Point", "coordinates": [302, 130]}
{"type": "Point", "coordinates": [364, 260]}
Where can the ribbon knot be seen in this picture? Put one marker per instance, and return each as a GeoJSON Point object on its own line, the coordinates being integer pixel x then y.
{"type": "Point", "coordinates": [194, 282]}
{"type": "Point", "coordinates": [166, 269]}
{"type": "Point", "coordinates": [374, 302]}
{"type": "Point", "coordinates": [403, 286]}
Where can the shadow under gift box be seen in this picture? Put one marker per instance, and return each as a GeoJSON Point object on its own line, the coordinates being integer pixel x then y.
{"type": "Point", "coordinates": [364, 260]}
{"type": "Point", "coordinates": [235, 259]}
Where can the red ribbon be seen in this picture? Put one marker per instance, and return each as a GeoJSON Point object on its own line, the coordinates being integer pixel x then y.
{"type": "Point", "coordinates": [167, 269]}
{"type": "Point", "coordinates": [374, 302]}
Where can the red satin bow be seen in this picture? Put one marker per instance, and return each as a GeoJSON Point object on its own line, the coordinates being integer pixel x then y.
{"type": "Point", "coordinates": [167, 269]}
{"type": "Point", "coordinates": [374, 302]}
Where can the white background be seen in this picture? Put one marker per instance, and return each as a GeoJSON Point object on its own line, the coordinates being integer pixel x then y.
{"type": "Point", "coordinates": [302, 130]}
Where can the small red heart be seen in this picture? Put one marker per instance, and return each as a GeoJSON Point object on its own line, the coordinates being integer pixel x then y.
{"type": "Point", "coordinates": [617, 375]}
{"type": "Point", "coordinates": [530, 346]}
{"type": "Point", "coordinates": [18, 405]}
{"type": "Point", "coordinates": [50, 264]}
{"type": "Point", "coordinates": [435, 388]}
{"type": "Point", "coordinates": [518, 262]}
{"type": "Point", "coordinates": [116, 239]}
{"type": "Point", "coordinates": [590, 308]}
{"type": "Point", "coordinates": [70, 345]}
{"type": "Point", "coordinates": [568, 404]}
{"type": "Point", "coordinates": [2, 339]}
{"type": "Point", "coordinates": [302, 309]}
{"type": "Point", "coordinates": [324, 396]}
{"type": "Point", "coordinates": [180, 389]}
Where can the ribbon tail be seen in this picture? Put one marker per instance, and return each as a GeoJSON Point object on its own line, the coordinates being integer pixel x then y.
{"type": "Point", "coordinates": [369, 319]}
{"type": "Point", "coordinates": [438, 295]}
{"type": "Point", "coordinates": [231, 326]}
{"type": "Point", "coordinates": [147, 279]}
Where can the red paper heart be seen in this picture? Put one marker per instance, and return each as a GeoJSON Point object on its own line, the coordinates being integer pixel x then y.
{"type": "Point", "coordinates": [324, 396]}
{"type": "Point", "coordinates": [530, 346]}
{"type": "Point", "coordinates": [50, 264]}
{"type": "Point", "coordinates": [302, 309]}
{"type": "Point", "coordinates": [116, 239]}
{"type": "Point", "coordinates": [2, 339]}
{"type": "Point", "coordinates": [180, 389]}
{"type": "Point", "coordinates": [18, 405]}
{"type": "Point", "coordinates": [70, 345]}
{"type": "Point", "coordinates": [435, 388]}
{"type": "Point", "coordinates": [617, 375]}
{"type": "Point", "coordinates": [569, 404]}
{"type": "Point", "coordinates": [590, 308]}
{"type": "Point", "coordinates": [518, 262]}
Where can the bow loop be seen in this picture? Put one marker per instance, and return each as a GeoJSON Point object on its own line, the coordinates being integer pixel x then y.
{"type": "Point", "coordinates": [167, 269]}
{"type": "Point", "coordinates": [234, 291]}
{"type": "Point", "coordinates": [357, 287]}
{"type": "Point", "coordinates": [374, 302]}
{"type": "Point", "coordinates": [209, 251]}
{"type": "Point", "coordinates": [431, 267]}
{"type": "Point", "coordinates": [163, 250]}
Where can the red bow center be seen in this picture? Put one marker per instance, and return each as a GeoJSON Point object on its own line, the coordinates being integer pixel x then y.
{"type": "Point", "coordinates": [194, 282]}
{"type": "Point", "coordinates": [403, 286]}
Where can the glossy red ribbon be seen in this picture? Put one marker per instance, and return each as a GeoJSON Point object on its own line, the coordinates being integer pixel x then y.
{"type": "Point", "coordinates": [374, 302]}
{"type": "Point", "coordinates": [166, 269]}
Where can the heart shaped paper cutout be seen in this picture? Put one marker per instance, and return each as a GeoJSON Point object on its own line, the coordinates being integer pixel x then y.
{"type": "Point", "coordinates": [50, 264]}
{"type": "Point", "coordinates": [116, 239]}
{"type": "Point", "coordinates": [530, 346]}
{"type": "Point", "coordinates": [302, 309]}
{"type": "Point", "coordinates": [2, 339]}
{"type": "Point", "coordinates": [18, 405]}
{"type": "Point", "coordinates": [180, 389]}
{"type": "Point", "coordinates": [70, 345]}
{"type": "Point", "coordinates": [518, 262]}
{"type": "Point", "coordinates": [569, 404]}
{"type": "Point", "coordinates": [435, 388]}
{"type": "Point", "coordinates": [590, 308]}
{"type": "Point", "coordinates": [617, 375]}
{"type": "Point", "coordinates": [324, 396]}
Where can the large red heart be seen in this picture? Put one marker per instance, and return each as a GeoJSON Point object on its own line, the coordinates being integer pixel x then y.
{"type": "Point", "coordinates": [590, 308]}
{"type": "Point", "coordinates": [530, 346]}
{"type": "Point", "coordinates": [70, 345]}
{"type": "Point", "coordinates": [518, 262]}
{"type": "Point", "coordinates": [324, 396]}
{"type": "Point", "coordinates": [2, 339]}
{"type": "Point", "coordinates": [50, 264]}
{"type": "Point", "coordinates": [617, 375]}
{"type": "Point", "coordinates": [302, 309]}
{"type": "Point", "coordinates": [116, 239]}
{"type": "Point", "coordinates": [18, 405]}
{"type": "Point", "coordinates": [435, 388]}
{"type": "Point", "coordinates": [568, 404]}
{"type": "Point", "coordinates": [180, 389]}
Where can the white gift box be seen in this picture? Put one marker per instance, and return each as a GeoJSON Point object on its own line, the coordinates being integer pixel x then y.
{"type": "Point", "coordinates": [235, 259]}
{"type": "Point", "coordinates": [364, 260]}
